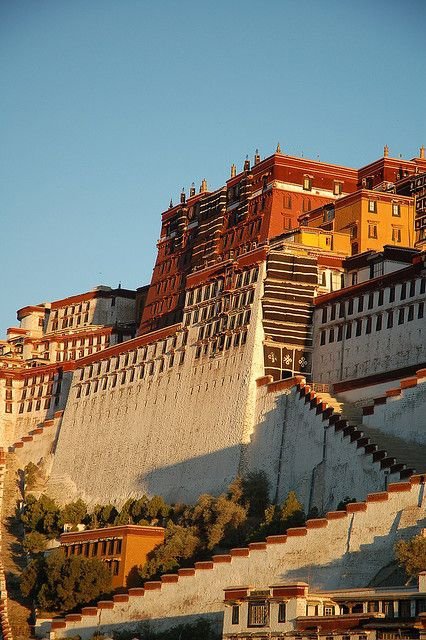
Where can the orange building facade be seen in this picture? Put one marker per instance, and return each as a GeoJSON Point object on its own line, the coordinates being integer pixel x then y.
{"type": "Point", "coordinates": [122, 548]}
{"type": "Point", "coordinates": [372, 219]}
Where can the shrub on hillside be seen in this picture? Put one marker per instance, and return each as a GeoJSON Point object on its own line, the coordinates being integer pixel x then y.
{"type": "Point", "coordinates": [411, 555]}
{"type": "Point", "coordinates": [57, 583]}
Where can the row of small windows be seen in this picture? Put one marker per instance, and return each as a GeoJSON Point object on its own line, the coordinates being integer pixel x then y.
{"type": "Point", "coordinates": [132, 374]}
{"type": "Point", "coordinates": [72, 354]}
{"type": "Point", "coordinates": [223, 342]}
{"type": "Point", "coordinates": [252, 227]}
{"type": "Point", "coordinates": [242, 279]}
{"type": "Point", "coordinates": [70, 322]}
{"type": "Point", "coordinates": [224, 305]}
{"type": "Point", "coordinates": [42, 390]}
{"type": "Point", "coordinates": [396, 208]}
{"type": "Point", "coordinates": [69, 311]}
{"type": "Point", "coordinates": [226, 323]}
{"type": "Point", "coordinates": [36, 379]}
{"type": "Point", "coordinates": [89, 341]}
{"type": "Point", "coordinates": [402, 315]}
{"type": "Point", "coordinates": [37, 405]}
{"type": "Point", "coordinates": [170, 283]}
{"type": "Point", "coordinates": [406, 290]}
{"type": "Point", "coordinates": [130, 358]}
{"type": "Point", "coordinates": [98, 548]}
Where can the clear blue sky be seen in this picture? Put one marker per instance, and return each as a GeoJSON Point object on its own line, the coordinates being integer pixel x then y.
{"type": "Point", "coordinates": [109, 107]}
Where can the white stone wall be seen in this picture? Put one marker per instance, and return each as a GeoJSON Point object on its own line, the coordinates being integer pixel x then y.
{"type": "Point", "coordinates": [379, 351]}
{"type": "Point", "coordinates": [301, 451]}
{"type": "Point", "coordinates": [346, 550]}
{"type": "Point", "coordinates": [403, 416]}
{"type": "Point", "coordinates": [104, 313]}
{"type": "Point", "coordinates": [178, 433]}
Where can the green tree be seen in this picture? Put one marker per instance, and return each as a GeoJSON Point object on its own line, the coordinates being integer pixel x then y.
{"type": "Point", "coordinates": [291, 512]}
{"type": "Point", "coordinates": [34, 542]}
{"type": "Point", "coordinates": [61, 584]}
{"type": "Point", "coordinates": [32, 475]}
{"type": "Point", "coordinates": [125, 517]}
{"type": "Point", "coordinates": [411, 555]}
{"type": "Point", "coordinates": [42, 515]}
{"type": "Point", "coordinates": [73, 513]}
{"type": "Point", "coordinates": [218, 520]}
{"type": "Point", "coordinates": [180, 544]}
{"type": "Point", "coordinates": [255, 493]}
{"type": "Point", "coordinates": [157, 509]}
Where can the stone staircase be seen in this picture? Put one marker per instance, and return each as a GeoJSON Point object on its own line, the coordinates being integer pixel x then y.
{"type": "Point", "coordinates": [409, 456]}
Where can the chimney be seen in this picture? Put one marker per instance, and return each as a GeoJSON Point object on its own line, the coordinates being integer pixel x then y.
{"type": "Point", "coordinates": [385, 151]}
{"type": "Point", "coordinates": [278, 150]}
{"type": "Point", "coordinates": [203, 188]}
{"type": "Point", "coordinates": [257, 157]}
{"type": "Point", "coordinates": [171, 204]}
{"type": "Point", "coordinates": [422, 152]}
{"type": "Point", "coordinates": [247, 164]}
{"type": "Point", "coordinates": [233, 170]}
{"type": "Point", "coordinates": [192, 190]}
{"type": "Point", "coordinates": [182, 196]}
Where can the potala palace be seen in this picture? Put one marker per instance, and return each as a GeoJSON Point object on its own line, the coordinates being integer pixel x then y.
{"type": "Point", "coordinates": [283, 330]}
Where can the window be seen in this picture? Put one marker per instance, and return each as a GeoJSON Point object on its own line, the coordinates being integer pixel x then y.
{"type": "Point", "coordinates": [358, 327]}
{"type": "Point", "coordinates": [368, 325]}
{"type": "Point", "coordinates": [341, 310]}
{"type": "Point", "coordinates": [381, 297]}
{"type": "Point", "coordinates": [412, 288]}
{"type": "Point", "coordinates": [403, 291]}
{"type": "Point", "coordinates": [410, 313]}
{"type": "Point", "coordinates": [423, 285]}
{"type": "Point", "coordinates": [370, 300]}
{"type": "Point", "coordinates": [390, 320]}
{"type": "Point", "coordinates": [354, 231]}
{"type": "Point", "coordinates": [307, 183]}
{"type": "Point", "coordinates": [396, 234]}
{"type": "Point", "coordinates": [372, 231]}
{"type": "Point", "coordinates": [404, 609]}
{"type": "Point", "coordinates": [235, 614]}
{"type": "Point", "coordinates": [324, 315]}
{"type": "Point", "coordinates": [396, 210]}
{"type": "Point", "coordinates": [420, 311]}
{"type": "Point", "coordinates": [379, 322]}
{"type": "Point", "coordinates": [329, 611]}
{"type": "Point", "coordinates": [401, 316]}
{"type": "Point", "coordinates": [392, 294]}
{"type": "Point", "coordinates": [388, 608]}
{"type": "Point", "coordinates": [257, 614]}
{"type": "Point", "coordinates": [348, 330]}
{"type": "Point", "coordinates": [376, 269]}
{"type": "Point", "coordinates": [340, 333]}
{"type": "Point", "coordinates": [331, 335]}
{"type": "Point", "coordinates": [350, 306]}
{"type": "Point", "coordinates": [8, 407]}
{"type": "Point", "coordinates": [372, 207]}
{"type": "Point", "coordinates": [282, 612]}
{"type": "Point", "coordinates": [360, 304]}
{"type": "Point", "coordinates": [322, 340]}
{"type": "Point", "coordinates": [337, 188]}
{"type": "Point", "coordinates": [333, 312]}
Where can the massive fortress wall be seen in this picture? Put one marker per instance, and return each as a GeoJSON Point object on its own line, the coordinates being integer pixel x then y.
{"type": "Point", "coordinates": [167, 415]}
{"type": "Point", "coordinates": [344, 549]}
